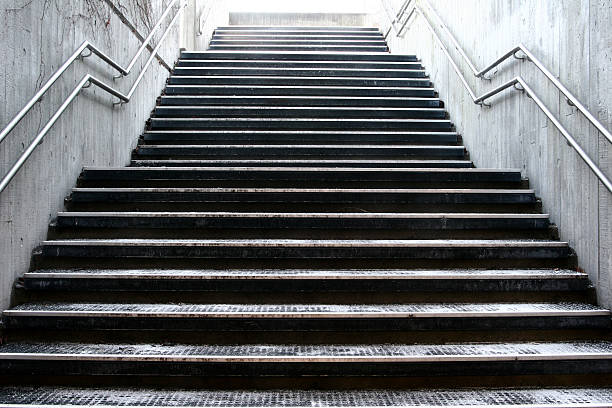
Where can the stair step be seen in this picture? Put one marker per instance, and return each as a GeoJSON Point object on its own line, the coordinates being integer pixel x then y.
{"type": "Point", "coordinates": [304, 101]}
{"type": "Point", "coordinates": [314, 48]}
{"type": "Point", "coordinates": [297, 195]}
{"type": "Point", "coordinates": [300, 137]}
{"type": "Point", "coordinates": [300, 81]}
{"type": "Point", "coordinates": [298, 31]}
{"type": "Point", "coordinates": [302, 174]}
{"type": "Point", "coordinates": [315, 112]}
{"type": "Point", "coordinates": [268, 220]}
{"type": "Point", "coordinates": [257, 123]}
{"type": "Point", "coordinates": [299, 72]}
{"type": "Point", "coordinates": [310, 317]}
{"type": "Point", "coordinates": [50, 397]}
{"type": "Point", "coordinates": [296, 56]}
{"type": "Point", "coordinates": [347, 41]}
{"type": "Point", "coordinates": [296, 248]}
{"type": "Point", "coordinates": [320, 360]}
{"type": "Point", "coordinates": [271, 63]}
{"type": "Point", "coordinates": [235, 28]}
{"type": "Point", "coordinates": [307, 163]}
{"type": "Point", "coordinates": [311, 90]}
{"type": "Point", "coordinates": [293, 280]}
{"type": "Point", "coordinates": [326, 150]}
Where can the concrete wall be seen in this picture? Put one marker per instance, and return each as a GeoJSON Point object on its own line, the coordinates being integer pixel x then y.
{"type": "Point", "coordinates": [203, 16]}
{"type": "Point", "coordinates": [200, 19]}
{"type": "Point", "coordinates": [298, 19]}
{"type": "Point", "coordinates": [574, 40]}
{"type": "Point", "coordinates": [35, 38]}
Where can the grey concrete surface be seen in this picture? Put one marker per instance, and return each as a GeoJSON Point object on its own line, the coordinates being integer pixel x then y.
{"type": "Point", "coordinates": [298, 19]}
{"type": "Point", "coordinates": [574, 40]}
{"type": "Point", "coordinates": [35, 38]}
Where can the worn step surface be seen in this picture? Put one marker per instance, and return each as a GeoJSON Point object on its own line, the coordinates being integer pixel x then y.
{"type": "Point", "coordinates": [301, 81]}
{"type": "Point", "coordinates": [301, 173]}
{"type": "Point", "coordinates": [300, 72]}
{"type": "Point", "coordinates": [280, 63]}
{"type": "Point", "coordinates": [262, 150]}
{"type": "Point", "coordinates": [341, 163]}
{"type": "Point", "coordinates": [289, 360]}
{"type": "Point", "coordinates": [298, 112]}
{"type": "Point", "coordinates": [304, 195]}
{"type": "Point", "coordinates": [296, 56]}
{"type": "Point", "coordinates": [306, 280]}
{"type": "Point", "coordinates": [306, 317]}
{"type": "Point", "coordinates": [321, 101]}
{"type": "Point", "coordinates": [45, 397]}
{"type": "Point", "coordinates": [295, 248]}
{"type": "Point", "coordinates": [299, 137]}
{"type": "Point", "coordinates": [293, 90]}
{"type": "Point", "coordinates": [301, 220]}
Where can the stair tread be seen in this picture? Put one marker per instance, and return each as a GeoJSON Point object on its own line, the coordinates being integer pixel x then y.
{"type": "Point", "coordinates": [332, 69]}
{"type": "Point", "coordinates": [439, 353]}
{"type": "Point", "coordinates": [218, 214]}
{"type": "Point", "coordinates": [399, 243]}
{"type": "Point", "coordinates": [267, 119]}
{"type": "Point", "coordinates": [155, 397]}
{"type": "Point", "coordinates": [417, 163]}
{"type": "Point", "coordinates": [307, 274]}
{"type": "Point", "coordinates": [365, 88]}
{"type": "Point", "coordinates": [313, 108]}
{"type": "Point", "coordinates": [305, 311]}
{"type": "Point", "coordinates": [310, 78]}
{"type": "Point", "coordinates": [157, 169]}
{"type": "Point", "coordinates": [307, 190]}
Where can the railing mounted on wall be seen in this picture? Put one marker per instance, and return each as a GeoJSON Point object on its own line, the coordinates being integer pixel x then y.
{"type": "Point", "coordinates": [517, 82]}
{"type": "Point", "coordinates": [85, 82]}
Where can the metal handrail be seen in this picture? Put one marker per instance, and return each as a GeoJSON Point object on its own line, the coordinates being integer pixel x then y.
{"type": "Point", "coordinates": [86, 45]}
{"type": "Point", "coordinates": [85, 82]}
{"type": "Point", "coordinates": [522, 86]}
{"type": "Point", "coordinates": [203, 17]}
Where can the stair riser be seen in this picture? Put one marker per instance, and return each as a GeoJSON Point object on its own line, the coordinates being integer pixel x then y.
{"type": "Point", "coordinates": [204, 112]}
{"type": "Point", "coordinates": [296, 286]}
{"type": "Point", "coordinates": [257, 263]}
{"type": "Point", "coordinates": [307, 197]}
{"type": "Point", "coordinates": [296, 233]}
{"type": "Point", "coordinates": [301, 223]}
{"type": "Point", "coordinates": [242, 252]}
{"type": "Point", "coordinates": [239, 71]}
{"type": "Point", "coordinates": [298, 91]}
{"type": "Point", "coordinates": [297, 37]}
{"type": "Point", "coordinates": [327, 325]}
{"type": "Point", "coordinates": [155, 138]}
{"type": "Point", "coordinates": [303, 124]}
{"type": "Point", "coordinates": [315, 184]}
{"type": "Point", "coordinates": [385, 369]}
{"type": "Point", "coordinates": [347, 42]}
{"type": "Point", "coordinates": [282, 56]}
{"type": "Point", "coordinates": [227, 62]}
{"type": "Point", "coordinates": [301, 81]}
{"type": "Point", "coordinates": [335, 48]}
{"type": "Point", "coordinates": [290, 163]}
{"type": "Point", "coordinates": [255, 151]}
{"type": "Point", "coordinates": [301, 175]}
{"type": "Point", "coordinates": [318, 102]}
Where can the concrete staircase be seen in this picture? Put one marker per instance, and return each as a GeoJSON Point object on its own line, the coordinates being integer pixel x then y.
{"type": "Point", "coordinates": [300, 225]}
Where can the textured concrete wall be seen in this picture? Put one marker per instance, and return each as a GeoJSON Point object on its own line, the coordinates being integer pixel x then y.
{"type": "Point", "coordinates": [574, 40]}
{"type": "Point", "coordinates": [298, 19]}
{"type": "Point", "coordinates": [35, 38]}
